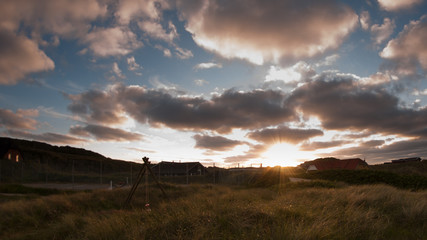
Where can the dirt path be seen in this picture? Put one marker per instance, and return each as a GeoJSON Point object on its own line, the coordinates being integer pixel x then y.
{"type": "Point", "coordinates": [69, 186]}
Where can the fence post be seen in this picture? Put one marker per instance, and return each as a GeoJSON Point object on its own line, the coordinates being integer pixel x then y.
{"type": "Point", "coordinates": [72, 173]}
{"type": "Point", "coordinates": [186, 170]}
{"type": "Point", "coordinates": [100, 170]}
{"type": "Point", "coordinates": [131, 174]}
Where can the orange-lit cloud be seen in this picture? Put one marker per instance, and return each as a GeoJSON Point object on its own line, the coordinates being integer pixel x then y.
{"type": "Point", "coordinates": [275, 32]}
{"type": "Point", "coordinates": [114, 41]}
{"type": "Point", "coordinates": [395, 5]}
{"type": "Point", "coordinates": [20, 56]}
{"type": "Point", "coordinates": [22, 119]}
{"type": "Point", "coordinates": [380, 33]}
{"type": "Point", "coordinates": [408, 50]}
{"type": "Point", "coordinates": [129, 10]}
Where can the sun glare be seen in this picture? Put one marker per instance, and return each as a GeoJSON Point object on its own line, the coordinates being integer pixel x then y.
{"type": "Point", "coordinates": [284, 154]}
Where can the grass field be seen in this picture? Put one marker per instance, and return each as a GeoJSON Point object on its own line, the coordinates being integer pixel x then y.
{"type": "Point", "coordinates": [306, 210]}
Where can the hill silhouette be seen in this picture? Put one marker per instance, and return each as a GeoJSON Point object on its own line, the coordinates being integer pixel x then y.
{"type": "Point", "coordinates": [45, 162]}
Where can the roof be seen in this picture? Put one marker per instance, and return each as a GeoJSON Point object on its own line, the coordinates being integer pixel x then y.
{"type": "Point", "coordinates": [176, 167]}
{"type": "Point", "coordinates": [349, 164]}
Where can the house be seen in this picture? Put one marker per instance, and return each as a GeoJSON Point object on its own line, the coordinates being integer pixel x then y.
{"type": "Point", "coordinates": [9, 151]}
{"type": "Point", "coordinates": [335, 164]}
{"type": "Point", "coordinates": [179, 169]}
{"type": "Point", "coordinates": [13, 155]}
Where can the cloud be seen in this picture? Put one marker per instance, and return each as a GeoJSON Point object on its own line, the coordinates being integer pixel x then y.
{"type": "Point", "coordinates": [365, 20]}
{"type": "Point", "coordinates": [116, 70]}
{"type": "Point", "coordinates": [103, 133]}
{"type": "Point", "coordinates": [20, 56]}
{"type": "Point", "coordinates": [166, 51]}
{"type": "Point", "coordinates": [155, 30]}
{"type": "Point", "coordinates": [129, 10]}
{"type": "Point", "coordinates": [222, 113]}
{"type": "Point", "coordinates": [408, 50]}
{"type": "Point", "coordinates": [22, 119]}
{"type": "Point", "coordinates": [291, 75]}
{"type": "Point", "coordinates": [45, 137]}
{"type": "Point", "coordinates": [208, 65]}
{"type": "Point", "coordinates": [97, 106]}
{"type": "Point", "coordinates": [183, 53]}
{"type": "Point", "coordinates": [200, 82]}
{"type": "Point", "coordinates": [67, 18]}
{"type": "Point", "coordinates": [259, 32]}
{"type": "Point", "coordinates": [215, 143]}
{"type": "Point", "coordinates": [132, 65]}
{"type": "Point", "coordinates": [387, 152]}
{"type": "Point", "coordinates": [328, 61]}
{"type": "Point", "coordinates": [116, 41]}
{"type": "Point", "coordinates": [341, 104]}
{"type": "Point", "coordinates": [311, 146]}
{"type": "Point", "coordinates": [379, 78]}
{"type": "Point", "coordinates": [395, 5]}
{"type": "Point", "coordinates": [254, 152]}
{"type": "Point", "coordinates": [380, 33]}
{"type": "Point", "coordinates": [281, 134]}
{"type": "Point", "coordinates": [418, 92]}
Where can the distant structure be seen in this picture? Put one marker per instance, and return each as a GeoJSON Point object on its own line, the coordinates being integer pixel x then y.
{"type": "Point", "coordinates": [179, 169]}
{"type": "Point", "coordinates": [322, 164]}
{"type": "Point", "coordinates": [405, 160]}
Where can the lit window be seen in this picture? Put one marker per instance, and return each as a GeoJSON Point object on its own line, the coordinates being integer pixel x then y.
{"type": "Point", "coordinates": [17, 158]}
{"type": "Point", "coordinates": [9, 156]}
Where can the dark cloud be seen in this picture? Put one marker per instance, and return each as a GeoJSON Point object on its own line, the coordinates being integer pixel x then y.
{"type": "Point", "coordinates": [283, 134]}
{"type": "Point", "coordinates": [311, 146]}
{"type": "Point", "coordinates": [373, 143]}
{"type": "Point", "coordinates": [103, 133]}
{"type": "Point", "coordinates": [342, 104]}
{"type": "Point", "coordinates": [245, 110]}
{"type": "Point", "coordinates": [375, 154]}
{"type": "Point", "coordinates": [22, 119]}
{"type": "Point", "coordinates": [215, 143]}
{"type": "Point", "coordinates": [45, 137]}
{"type": "Point", "coordinates": [95, 105]}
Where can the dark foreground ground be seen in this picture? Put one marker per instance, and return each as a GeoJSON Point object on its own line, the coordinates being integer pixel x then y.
{"type": "Point", "coordinates": [295, 210]}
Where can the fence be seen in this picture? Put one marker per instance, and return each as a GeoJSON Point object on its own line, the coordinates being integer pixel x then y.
{"type": "Point", "coordinates": [120, 173]}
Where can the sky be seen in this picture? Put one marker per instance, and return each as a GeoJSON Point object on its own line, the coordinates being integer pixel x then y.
{"type": "Point", "coordinates": [225, 83]}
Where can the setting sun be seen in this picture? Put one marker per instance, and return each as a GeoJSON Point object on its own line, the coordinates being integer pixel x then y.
{"type": "Point", "coordinates": [284, 154]}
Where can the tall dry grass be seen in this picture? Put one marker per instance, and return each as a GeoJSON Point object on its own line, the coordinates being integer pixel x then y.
{"type": "Point", "coordinates": [317, 210]}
